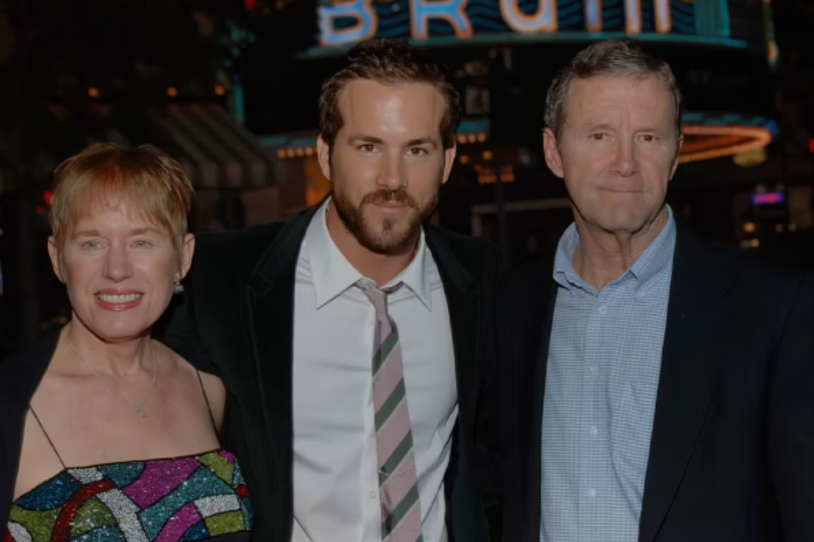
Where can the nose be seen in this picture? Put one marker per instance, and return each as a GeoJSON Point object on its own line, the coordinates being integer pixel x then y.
{"type": "Point", "coordinates": [117, 265]}
{"type": "Point", "coordinates": [392, 172]}
{"type": "Point", "coordinates": [624, 163]}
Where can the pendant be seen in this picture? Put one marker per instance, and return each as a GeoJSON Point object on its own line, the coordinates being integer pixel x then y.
{"type": "Point", "coordinates": [141, 413]}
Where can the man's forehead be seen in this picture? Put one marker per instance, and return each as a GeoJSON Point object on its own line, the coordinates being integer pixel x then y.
{"type": "Point", "coordinates": [601, 94]}
{"type": "Point", "coordinates": [405, 107]}
{"type": "Point", "coordinates": [369, 94]}
{"type": "Point", "coordinates": [603, 83]}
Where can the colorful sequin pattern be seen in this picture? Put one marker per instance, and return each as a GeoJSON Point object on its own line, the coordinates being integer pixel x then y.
{"type": "Point", "coordinates": [172, 500]}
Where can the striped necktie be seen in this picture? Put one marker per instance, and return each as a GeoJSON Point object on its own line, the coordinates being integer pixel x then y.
{"type": "Point", "coordinates": [398, 486]}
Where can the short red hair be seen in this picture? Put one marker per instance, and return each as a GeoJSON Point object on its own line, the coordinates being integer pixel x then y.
{"type": "Point", "coordinates": [146, 180]}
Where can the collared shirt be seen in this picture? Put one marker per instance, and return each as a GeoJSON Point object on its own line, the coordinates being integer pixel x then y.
{"type": "Point", "coordinates": [603, 370]}
{"type": "Point", "coordinates": [336, 490]}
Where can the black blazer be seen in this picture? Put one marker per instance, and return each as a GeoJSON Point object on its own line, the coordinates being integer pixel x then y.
{"type": "Point", "coordinates": [732, 450]}
{"type": "Point", "coordinates": [20, 376]}
{"type": "Point", "coordinates": [236, 320]}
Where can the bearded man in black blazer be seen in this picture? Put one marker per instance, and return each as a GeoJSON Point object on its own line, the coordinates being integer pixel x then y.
{"type": "Point", "coordinates": [656, 387]}
{"type": "Point", "coordinates": [353, 338]}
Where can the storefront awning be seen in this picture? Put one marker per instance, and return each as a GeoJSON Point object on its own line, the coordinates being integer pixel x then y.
{"type": "Point", "coordinates": [215, 150]}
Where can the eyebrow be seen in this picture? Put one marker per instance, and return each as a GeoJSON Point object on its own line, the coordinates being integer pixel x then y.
{"type": "Point", "coordinates": [422, 141]}
{"type": "Point", "coordinates": [95, 233]}
{"type": "Point", "coordinates": [142, 231]}
{"type": "Point", "coordinates": [363, 138]}
{"type": "Point", "coordinates": [601, 126]}
{"type": "Point", "coordinates": [86, 233]}
{"type": "Point", "coordinates": [606, 126]}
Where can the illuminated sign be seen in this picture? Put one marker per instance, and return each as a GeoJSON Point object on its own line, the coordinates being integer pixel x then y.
{"type": "Point", "coordinates": [345, 22]}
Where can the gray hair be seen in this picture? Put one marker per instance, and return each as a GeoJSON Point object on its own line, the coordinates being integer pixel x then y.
{"type": "Point", "coordinates": [622, 57]}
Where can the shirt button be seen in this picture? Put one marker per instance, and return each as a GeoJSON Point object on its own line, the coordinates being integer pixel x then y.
{"type": "Point", "coordinates": [603, 310]}
{"type": "Point", "coordinates": [639, 293]}
{"type": "Point", "coordinates": [592, 493]}
{"type": "Point", "coordinates": [593, 431]}
{"type": "Point", "coordinates": [595, 369]}
{"type": "Point", "coordinates": [373, 494]}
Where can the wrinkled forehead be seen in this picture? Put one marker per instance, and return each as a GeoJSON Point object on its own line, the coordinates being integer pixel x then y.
{"type": "Point", "coordinates": [645, 98]}
{"type": "Point", "coordinates": [407, 110]}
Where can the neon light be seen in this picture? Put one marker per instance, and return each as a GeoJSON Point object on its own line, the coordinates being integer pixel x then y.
{"type": "Point", "coordinates": [240, 103]}
{"type": "Point", "coordinates": [545, 20]}
{"type": "Point", "coordinates": [724, 11]}
{"type": "Point", "coordinates": [593, 15]}
{"type": "Point", "coordinates": [367, 22]}
{"type": "Point", "coordinates": [556, 37]}
{"type": "Point", "coordinates": [768, 198]}
{"type": "Point", "coordinates": [451, 11]}
{"type": "Point", "coordinates": [749, 138]}
{"type": "Point", "coordinates": [710, 20]}
{"type": "Point", "coordinates": [633, 17]}
{"type": "Point", "coordinates": [664, 20]}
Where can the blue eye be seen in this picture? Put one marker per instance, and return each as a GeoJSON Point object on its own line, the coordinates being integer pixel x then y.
{"type": "Point", "coordinates": [141, 243]}
{"type": "Point", "coordinates": [92, 245]}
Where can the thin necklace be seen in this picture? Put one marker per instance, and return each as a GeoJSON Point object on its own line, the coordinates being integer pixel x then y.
{"type": "Point", "coordinates": [137, 407]}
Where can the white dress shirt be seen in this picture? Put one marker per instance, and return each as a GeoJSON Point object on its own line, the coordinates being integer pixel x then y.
{"type": "Point", "coordinates": [336, 497]}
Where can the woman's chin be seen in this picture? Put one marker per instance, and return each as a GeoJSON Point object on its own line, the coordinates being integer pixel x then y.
{"type": "Point", "coordinates": [119, 329]}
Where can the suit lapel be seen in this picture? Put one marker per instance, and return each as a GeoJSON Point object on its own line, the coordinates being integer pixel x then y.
{"type": "Point", "coordinates": [270, 306]}
{"type": "Point", "coordinates": [459, 289]}
{"type": "Point", "coordinates": [536, 341]}
{"type": "Point", "coordinates": [523, 330]}
{"type": "Point", "coordinates": [688, 373]}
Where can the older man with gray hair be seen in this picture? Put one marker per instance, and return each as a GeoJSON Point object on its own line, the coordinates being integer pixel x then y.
{"type": "Point", "coordinates": [656, 387]}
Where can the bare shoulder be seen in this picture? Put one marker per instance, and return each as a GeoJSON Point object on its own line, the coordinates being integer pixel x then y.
{"type": "Point", "coordinates": [216, 395]}
{"type": "Point", "coordinates": [212, 385]}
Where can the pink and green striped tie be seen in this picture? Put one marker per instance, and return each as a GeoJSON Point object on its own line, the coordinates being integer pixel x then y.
{"type": "Point", "coordinates": [398, 485]}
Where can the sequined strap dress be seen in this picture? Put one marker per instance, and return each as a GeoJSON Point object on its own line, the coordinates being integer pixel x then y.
{"type": "Point", "coordinates": [201, 497]}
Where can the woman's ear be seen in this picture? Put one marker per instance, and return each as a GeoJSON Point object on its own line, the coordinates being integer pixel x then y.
{"type": "Point", "coordinates": [56, 258]}
{"type": "Point", "coordinates": [187, 252]}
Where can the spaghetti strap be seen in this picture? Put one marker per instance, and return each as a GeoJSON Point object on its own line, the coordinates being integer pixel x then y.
{"type": "Point", "coordinates": [44, 432]}
{"type": "Point", "coordinates": [208, 406]}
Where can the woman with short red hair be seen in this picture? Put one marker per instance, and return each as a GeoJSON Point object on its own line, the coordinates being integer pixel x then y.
{"type": "Point", "coordinates": [106, 434]}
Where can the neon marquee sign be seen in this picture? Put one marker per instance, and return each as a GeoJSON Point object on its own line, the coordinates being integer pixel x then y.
{"type": "Point", "coordinates": [344, 22]}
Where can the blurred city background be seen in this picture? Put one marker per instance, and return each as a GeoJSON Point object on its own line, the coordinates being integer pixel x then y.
{"type": "Point", "coordinates": [230, 88]}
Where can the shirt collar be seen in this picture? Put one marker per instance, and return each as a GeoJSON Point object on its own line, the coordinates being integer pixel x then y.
{"type": "Point", "coordinates": [333, 274]}
{"type": "Point", "coordinates": [655, 259]}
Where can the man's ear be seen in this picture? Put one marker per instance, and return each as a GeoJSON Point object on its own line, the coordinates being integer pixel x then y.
{"type": "Point", "coordinates": [677, 157]}
{"type": "Point", "coordinates": [552, 153]}
{"type": "Point", "coordinates": [324, 157]}
{"type": "Point", "coordinates": [449, 161]}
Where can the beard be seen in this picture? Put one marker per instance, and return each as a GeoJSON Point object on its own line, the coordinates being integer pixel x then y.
{"type": "Point", "coordinates": [394, 235]}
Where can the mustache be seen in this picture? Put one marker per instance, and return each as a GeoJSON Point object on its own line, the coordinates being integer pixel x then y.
{"type": "Point", "coordinates": [390, 196]}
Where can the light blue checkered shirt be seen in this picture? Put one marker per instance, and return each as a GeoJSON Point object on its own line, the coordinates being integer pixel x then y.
{"type": "Point", "coordinates": [600, 396]}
